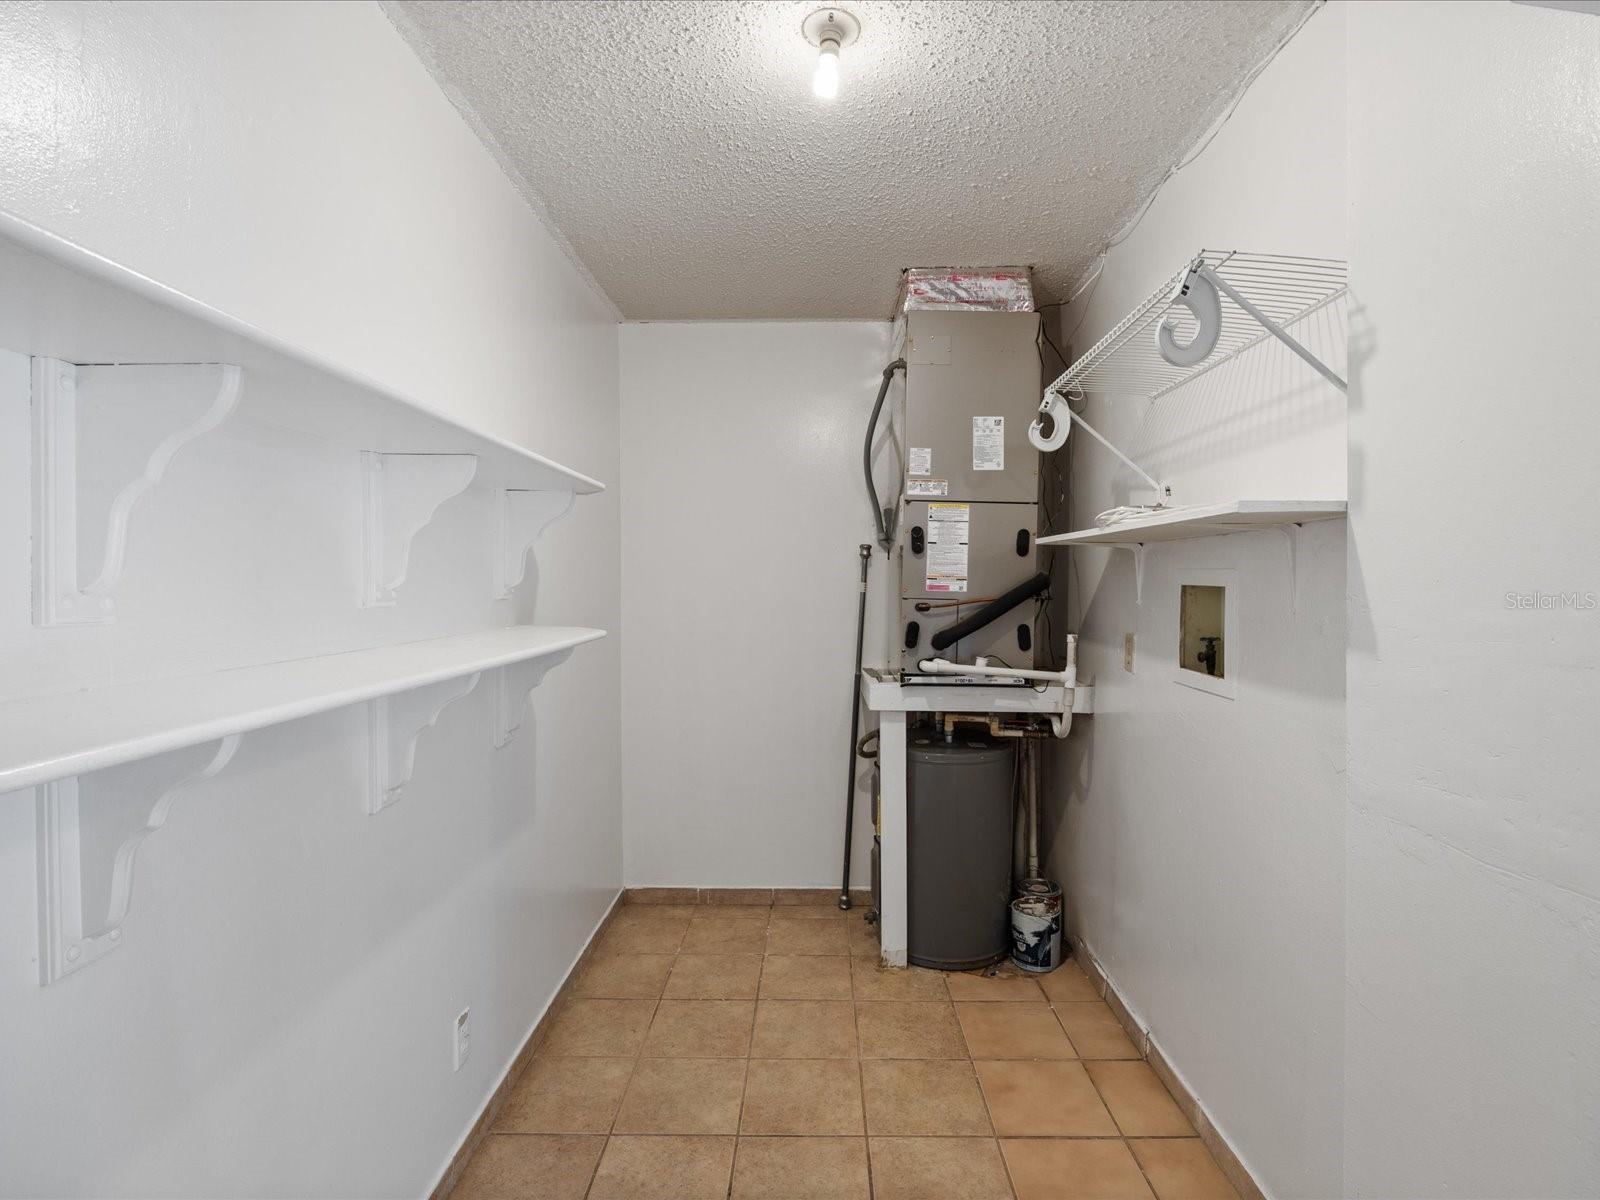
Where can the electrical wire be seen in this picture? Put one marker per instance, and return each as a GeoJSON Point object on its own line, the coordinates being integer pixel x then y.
{"type": "Point", "coordinates": [1090, 283]}
{"type": "Point", "coordinates": [1042, 615]}
{"type": "Point", "coordinates": [1121, 513]}
{"type": "Point", "coordinates": [1211, 135]}
{"type": "Point", "coordinates": [1045, 333]}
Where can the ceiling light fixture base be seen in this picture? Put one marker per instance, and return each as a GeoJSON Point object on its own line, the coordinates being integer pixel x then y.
{"type": "Point", "coordinates": [831, 25]}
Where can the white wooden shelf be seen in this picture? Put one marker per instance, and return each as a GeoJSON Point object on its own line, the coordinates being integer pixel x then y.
{"type": "Point", "coordinates": [141, 372]}
{"type": "Point", "coordinates": [52, 737]}
{"type": "Point", "coordinates": [1208, 520]}
{"type": "Point", "coordinates": [60, 301]}
{"type": "Point", "coordinates": [1204, 520]}
{"type": "Point", "coordinates": [108, 766]}
{"type": "Point", "coordinates": [127, 374]}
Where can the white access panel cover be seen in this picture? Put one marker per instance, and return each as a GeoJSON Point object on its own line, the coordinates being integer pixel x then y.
{"type": "Point", "coordinates": [972, 387]}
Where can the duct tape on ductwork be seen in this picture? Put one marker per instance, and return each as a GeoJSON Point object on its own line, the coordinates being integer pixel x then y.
{"type": "Point", "coordinates": [966, 289]}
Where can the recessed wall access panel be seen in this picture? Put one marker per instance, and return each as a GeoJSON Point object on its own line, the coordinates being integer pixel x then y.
{"type": "Point", "coordinates": [972, 387]}
{"type": "Point", "coordinates": [955, 550]}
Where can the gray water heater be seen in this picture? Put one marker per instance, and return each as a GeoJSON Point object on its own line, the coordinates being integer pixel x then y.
{"type": "Point", "coordinates": [959, 841]}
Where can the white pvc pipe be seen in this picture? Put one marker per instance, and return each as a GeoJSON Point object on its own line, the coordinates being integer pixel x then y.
{"type": "Point", "coordinates": [943, 666]}
{"type": "Point", "coordinates": [1060, 724]}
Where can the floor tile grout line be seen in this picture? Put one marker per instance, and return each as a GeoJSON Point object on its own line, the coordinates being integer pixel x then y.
{"type": "Point", "coordinates": [861, 1072]}
{"type": "Point", "coordinates": [638, 1052]}
{"type": "Point", "coordinates": [984, 1096]}
{"type": "Point", "coordinates": [1100, 1092]}
{"type": "Point", "coordinates": [744, 1087]}
{"type": "Point", "coordinates": [1139, 1166]}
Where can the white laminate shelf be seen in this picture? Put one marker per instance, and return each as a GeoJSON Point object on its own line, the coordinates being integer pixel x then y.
{"type": "Point", "coordinates": [53, 737]}
{"type": "Point", "coordinates": [59, 301]}
{"type": "Point", "coordinates": [1204, 520]}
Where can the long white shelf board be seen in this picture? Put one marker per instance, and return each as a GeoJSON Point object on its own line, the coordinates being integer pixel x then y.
{"type": "Point", "coordinates": [58, 300]}
{"type": "Point", "coordinates": [1204, 520]}
{"type": "Point", "coordinates": [51, 737]}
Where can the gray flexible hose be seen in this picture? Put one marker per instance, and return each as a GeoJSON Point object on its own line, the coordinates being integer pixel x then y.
{"type": "Point", "coordinates": [879, 516]}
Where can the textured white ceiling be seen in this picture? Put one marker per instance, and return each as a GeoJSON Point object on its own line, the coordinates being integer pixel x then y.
{"type": "Point", "coordinates": [676, 145]}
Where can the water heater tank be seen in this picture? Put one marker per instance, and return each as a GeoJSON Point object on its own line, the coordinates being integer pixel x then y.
{"type": "Point", "coordinates": [959, 846]}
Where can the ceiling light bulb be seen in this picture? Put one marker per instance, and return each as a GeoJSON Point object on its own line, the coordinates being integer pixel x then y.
{"type": "Point", "coordinates": [825, 79]}
{"type": "Point", "coordinates": [830, 30]}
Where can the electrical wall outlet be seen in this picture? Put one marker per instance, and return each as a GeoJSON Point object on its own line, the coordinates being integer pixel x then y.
{"type": "Point", "coordinates": [463, 1036]}
{"type": "Point", "coordinates": [1127, 652]}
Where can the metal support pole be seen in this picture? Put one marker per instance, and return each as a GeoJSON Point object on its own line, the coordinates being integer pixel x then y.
{"type": "Point", "coordinates": [855, 727]}
{"type": "Point", "coordinates": [1161, 489]}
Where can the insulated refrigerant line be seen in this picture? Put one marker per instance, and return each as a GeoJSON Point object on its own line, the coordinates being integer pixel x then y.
{"type": "Point", "coordinates": [992, 611]}
{"type": "Point", "coordinates": [855, 709]}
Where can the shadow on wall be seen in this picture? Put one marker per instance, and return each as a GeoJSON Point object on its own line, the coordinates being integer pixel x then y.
{"type": "Point", "coordinates": [1225, 429]}
{"type": "Point", "coordinates": [1361, 636]}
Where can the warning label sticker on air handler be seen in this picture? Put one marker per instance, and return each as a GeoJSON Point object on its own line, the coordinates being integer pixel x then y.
{"type": "Point", "coordinates": [988, 443]}
{"type": "Point", "coordinates": [947, 547]}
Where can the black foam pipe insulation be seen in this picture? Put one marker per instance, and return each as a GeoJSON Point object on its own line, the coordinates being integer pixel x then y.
{"type": "Point", "coordinates": [992, 611]}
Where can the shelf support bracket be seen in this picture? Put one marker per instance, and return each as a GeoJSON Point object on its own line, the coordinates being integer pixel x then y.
{"type": "Point", "coordinates": [1291, 534]}
{"type": "Point", "coordinates": [521, 516]}
{"type": "Point", "coordinates": [512, 686]}
{"type": "Point", "coordinates": [395, 725]}
{"type": "Point", "coordinates": [1137, 550]}
{"type": "Point", "coordinates": [401, 493]}
{"type": "Point", "coordinates": [1205, 272]}
{"type": "Point", "coordinates": [103, 436]}
{"type": "Point", "coordinates": [1055, 409]}
{"type": "Point", "coordinates": [84, 901]}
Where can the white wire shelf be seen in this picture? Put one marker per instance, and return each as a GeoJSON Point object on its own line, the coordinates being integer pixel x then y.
{"type": "Point", "coordinates": [1127, 362]}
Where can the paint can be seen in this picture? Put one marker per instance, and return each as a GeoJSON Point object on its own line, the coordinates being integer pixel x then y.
{"type": "Point", "coordinates": [1036, 926]}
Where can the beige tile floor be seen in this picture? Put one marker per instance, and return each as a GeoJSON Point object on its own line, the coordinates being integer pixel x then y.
{"type": "Point", "coordinates": [761, 1053]}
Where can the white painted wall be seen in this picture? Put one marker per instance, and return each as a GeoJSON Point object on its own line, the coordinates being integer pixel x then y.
{"type": "Point", "coordinates": [277, 1021]}
{"type": "Point", "coordinates": [1199, 839]}
{"type": "Point", "coordinates": [1473, 992]}
{"type": "Point", "coordinates": [741, 442]}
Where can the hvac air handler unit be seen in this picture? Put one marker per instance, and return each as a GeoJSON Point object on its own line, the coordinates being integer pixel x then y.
{"type": "Point", "coordinates": [969, 512]}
